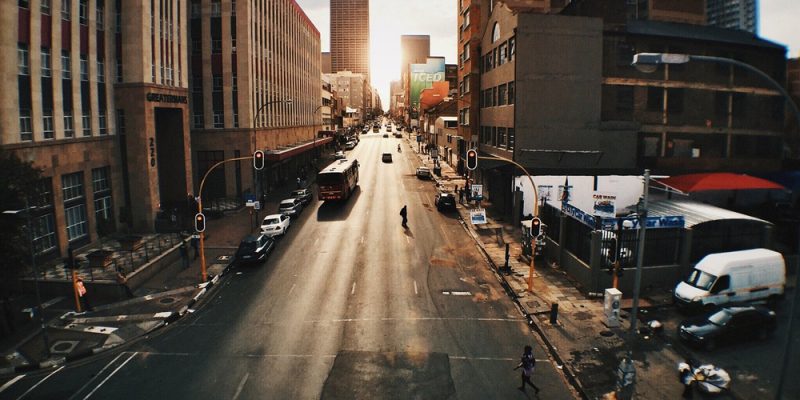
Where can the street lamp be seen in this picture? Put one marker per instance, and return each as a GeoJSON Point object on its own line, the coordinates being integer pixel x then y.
{"type": "Point", "coordinates": [40, 312]}
{"type": "Point", "coordinates": [649, 62]}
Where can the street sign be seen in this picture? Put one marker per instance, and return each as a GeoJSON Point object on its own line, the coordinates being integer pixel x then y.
{"type": "Point", "coordinates": [477, 216]}
{"type": "Point", "coordinates": [476, 192]}
{"type": "Point", "coordinates": [257, 205]}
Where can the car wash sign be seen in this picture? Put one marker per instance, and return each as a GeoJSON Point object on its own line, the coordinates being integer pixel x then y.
{"type": "Point", "coordinates": [604, 204]}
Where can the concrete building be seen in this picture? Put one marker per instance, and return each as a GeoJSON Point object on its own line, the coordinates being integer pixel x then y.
{"type": "Point", "coordinates": [326, 62]}
{"type": "Point", "coordinates": [623, 120]}
{"type": "Point", "coordinates": [351, 89]}
{"type": "Point", "coordinates": [255, 81]}
{"type": "Point", "coordinates": [350, 36]}
{"type": "Point", "coordinates": [98, 96]}
{"type": "Point", "coordinates": [733, 14]}
{"type": "Point", "coordinates": [471, 23]}
{"type": "Point", "coordinates": [328, 105]}
{"type": "Point", "coordinates": [414, 49]}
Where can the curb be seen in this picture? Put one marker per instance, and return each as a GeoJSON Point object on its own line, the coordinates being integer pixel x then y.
{"type": "Point", "coordinates": [532, 322]}
{"type": "Point", "coordinates": [172, 317]}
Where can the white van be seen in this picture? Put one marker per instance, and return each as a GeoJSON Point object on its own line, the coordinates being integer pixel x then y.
{"type": "Point", "coordinates": [736, 276]}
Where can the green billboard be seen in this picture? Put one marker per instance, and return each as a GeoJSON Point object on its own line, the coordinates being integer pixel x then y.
{"type": "Point", "coordinates": [423, 76]}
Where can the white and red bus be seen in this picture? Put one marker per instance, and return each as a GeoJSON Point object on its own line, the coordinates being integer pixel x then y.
{"type": "Point", "coordinates": [338, 180]}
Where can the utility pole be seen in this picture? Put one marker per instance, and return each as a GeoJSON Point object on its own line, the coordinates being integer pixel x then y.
{"type": "Point", "coordinates": [640, 252]}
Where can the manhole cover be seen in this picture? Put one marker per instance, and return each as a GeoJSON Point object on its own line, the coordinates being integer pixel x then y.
{"type": "Point", "coordinates": [606, 333]}
{"type": "Point", "coordinates": [167, 300]}
{"type": "Point", "coordinates": [532, 304]}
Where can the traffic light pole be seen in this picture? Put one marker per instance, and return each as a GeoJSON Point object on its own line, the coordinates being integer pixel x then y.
{"type": "Point", "coordinates": [535, 214]}
{"type": "Point", "coordinates": [203, 272]}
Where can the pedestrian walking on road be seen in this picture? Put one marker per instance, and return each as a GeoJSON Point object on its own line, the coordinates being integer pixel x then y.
{"type": "Point", "coordinates": [404, 214]}
{"type": "Point", "coordinates": [527, 362]}
{"type": "Point", "coordinates": [195, 246]}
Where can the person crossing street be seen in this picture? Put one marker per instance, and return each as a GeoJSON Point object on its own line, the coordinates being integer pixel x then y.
{"type": "Point", "coordinates": [404, 214]}
{"type": "Point", "coordinates": [527, 363]}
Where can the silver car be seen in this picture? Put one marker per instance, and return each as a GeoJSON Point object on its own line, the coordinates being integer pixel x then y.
{"type": "Point", "coordinates": [290, 207]}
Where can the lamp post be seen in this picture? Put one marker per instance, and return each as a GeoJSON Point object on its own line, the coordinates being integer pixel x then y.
{"type": "Point", "coordinates": [255, 143]}
{"type": "Point", "coordinates": [27, 211]}
{"type": "Point", "coordinates": [649, 62]}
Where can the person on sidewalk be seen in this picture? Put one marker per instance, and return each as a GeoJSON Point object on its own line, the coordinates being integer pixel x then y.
{"type": "Point", "coordinates": [184, 255]}
{"type": "Point", "coordinates": [196, 247]}
{"type": "Point", "coordinates": [123, 281]}
{"type": "Point", "coordinates": [404, 214]}
{"type": "Point", "coordinates": [527, 363]}
{"type": "Point", "coordinates": [83, 295]}
{"type": "Point", "coordinates": [298, 182]}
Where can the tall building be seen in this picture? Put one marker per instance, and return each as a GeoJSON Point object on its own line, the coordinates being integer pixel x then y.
{"type": "Point", "coordinates": [414, 49]}
{"type": "Point", "coordinates": [353, 90]}
{"type": "Point", "coordinates": [98, 96]}
{"type": "Point", "coordinates": [350, 36]}
{"type": "Point", "coordinates": [326, 62]}
{"type": "Point", "coordinates": [733, 14]}
{"type": "Point", "coordinates": [256, 80]}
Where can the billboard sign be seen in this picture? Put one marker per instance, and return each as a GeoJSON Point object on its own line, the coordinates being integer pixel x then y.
{"type": "Point", "coordinates": [423, 76]}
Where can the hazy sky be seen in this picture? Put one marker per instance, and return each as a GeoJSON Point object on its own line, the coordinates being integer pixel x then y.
{"type": "Point", "coordinates": [391, 18]}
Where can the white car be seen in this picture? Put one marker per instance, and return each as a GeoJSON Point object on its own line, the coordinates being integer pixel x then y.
{"type": "Point", "coordinates": [339, 155]}
{"type": "Point", "coordinates": [424, 173]}
{"type": "Point", "coordinates": [275, 224]}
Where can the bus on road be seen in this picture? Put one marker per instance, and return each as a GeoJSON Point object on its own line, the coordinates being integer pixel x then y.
{"type": "Point", "coordinates": [338, 180]}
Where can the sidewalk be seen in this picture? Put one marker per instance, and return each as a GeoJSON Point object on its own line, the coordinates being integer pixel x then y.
{"type": "Point", "coordinates": [162, 298]}
{"type": "Point", "coordinates": [589, 351]}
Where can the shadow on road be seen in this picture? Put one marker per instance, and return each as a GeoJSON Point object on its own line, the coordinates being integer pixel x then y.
{"type": "Point", "coordinates": [338, 210]}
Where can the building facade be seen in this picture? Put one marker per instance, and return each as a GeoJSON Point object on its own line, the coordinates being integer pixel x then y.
{"type": "Point", "coordinates": [99, 93]}
{"type": "Point", "coordinates": [733, 14]}
{"type": "Point", "coordinates": [255, 85]}
{"type": "Point", "coordinates": [350, 87]}
{"type": "Point", "coordinates": [350, 36]}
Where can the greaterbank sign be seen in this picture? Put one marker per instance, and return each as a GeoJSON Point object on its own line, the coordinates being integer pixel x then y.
{"type": "Point", "coordinates": [423, 76]}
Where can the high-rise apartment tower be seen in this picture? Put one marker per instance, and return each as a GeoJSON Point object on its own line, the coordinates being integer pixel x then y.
{"type": "Point", "coordinates": [350, 36]}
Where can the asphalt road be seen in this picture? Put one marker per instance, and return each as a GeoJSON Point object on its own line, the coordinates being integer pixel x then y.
{"type": "Point", "coordinates": [349, 306]}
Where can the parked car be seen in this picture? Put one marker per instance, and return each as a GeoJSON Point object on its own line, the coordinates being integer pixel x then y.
{"type": "Point", "coordinates": [445, 201]}
{"type": "Point", "coordinates": [350, 145]}
{"type": "Point", "coordinates": [728, 324]}
{"type": "Point", "coordinates": [275, 224]}
{"type": "Point", "coordinates": [398, 135]}
{"type": "Point", "coordinates": [290, 207]}
{"type": "Point", "coordinates": [386, 135]}
{"type": "Point", "coordinates": [254, 248]}
{"type": "Point", "coordinates": [733, 277]}
{"type": "Point", "coordinates": [424, 173]}
{"type": "Point", "coordinates": [339, 155]}
{"type": "Point", "coordinates": [386, 157]}
{"type": "Point", "coordinates": [304, 195]}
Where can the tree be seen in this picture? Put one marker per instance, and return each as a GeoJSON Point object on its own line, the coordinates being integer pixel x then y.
{"type": "Point", "coordinates": [19, 179]}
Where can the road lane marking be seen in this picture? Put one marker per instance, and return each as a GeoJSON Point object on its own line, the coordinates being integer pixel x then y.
{"type": "Point", "coordinates": [362, 239]}
{"type": "Point", "coordinates": [40, 382]}
{"type": "Point", "coordinates": [11, 382]}
{"type": "Point", "coordinates": [96, 375]}
{"type": "Point", "coordinates": [415, 288]}
{"type": "Point", "coordinates": [110, 375]}
{"type": "Point", "coordinates": [241, 386]}
{"type": "Point", "coordinates": [408, 240]}
{"type": "Point", "coordinates": [293, 286]}
{"type": "Point", "coordinates": [353, 290]}
{"type": "Point", "coordinates": [457, 293]}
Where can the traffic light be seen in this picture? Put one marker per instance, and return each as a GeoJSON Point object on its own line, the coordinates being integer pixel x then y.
{"type": "Point", "coordinates": [472, 159]}
{"type": "Point", "coordinates": [199, 222]}
{"type": "Point", "coordinates": [536, 227]}
{"type": "Point", "coordinates": [258, 160]}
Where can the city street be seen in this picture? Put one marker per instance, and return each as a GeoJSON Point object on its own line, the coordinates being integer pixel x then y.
{"type": "Point", "coordinates": [350, 305]}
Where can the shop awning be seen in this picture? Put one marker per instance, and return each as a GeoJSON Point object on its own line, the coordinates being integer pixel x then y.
{"type": "Point", "coordinates": [286, 152]}
{"type": "Point", "coordinates": [716, 181]}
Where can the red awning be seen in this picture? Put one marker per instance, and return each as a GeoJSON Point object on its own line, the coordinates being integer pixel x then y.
{"type": "Point", "coordinates": [717, 181]}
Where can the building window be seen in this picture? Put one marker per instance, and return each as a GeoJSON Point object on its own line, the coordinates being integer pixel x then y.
{"type": "Point", "coordinates": [102, 209]}
{"type": "Point", "coordinates": [219, 119]}
{"type": "Point", "coordinates": [216, 8]}
{"type": "Point", "coordinates": [66, 65]}
{"type": "Point", "coordinates": [46, 62]}
{"type": "Point", "coordinates": [510, 145]}
{"type": "Point", "coordinates": [235, 83]}
{"type": "Point", "coordinates": [44, 233]}
{"type": "Point", "coordinates": [84, 69]}
{"type": "Point", "coordinates": [72, 186]}
{"type": "Point", "coordinates": [501, 137]}
{"type": "Point", "coordinates": [100, 179]}
{"type": "Point", "coordinates": [101, 122]}
{"type": "Point", "coordinates": [196, 10]}
{"type": "Point", "coordinates": [22, 3]}
{"type": "Point", "coordinates": [119, 71]}
{"type": "Point", "coordinates": [675, 100]}
{"type": "Point", "coordinates": [23, 67]}
{"type": "Point", "coordinates": [69, 128]}
{"type": "Point", "coordinates": [466, 52]}
{"type": "Point", "coordinates": [66, 10]}
{"type": "Point", "coordinates": [655, 98]}
{"type": "Point", "coordinates": [101, 71]}
{"type": "Point", "coordinates": [217, 83]}
{"type": "Point", "coordinates": [101, 19]}
{"type": "Point", "coordinates": [235, 119]}
{"type": "Point", "coordinates": [494, 100]}
{"type": "Point", "coordinates": [501, 95]}
{"type": "Point", "coordinates": [502, 54]}
{"type": "Point", "coordinates": [82, 12]}
{"type": "Point", "coordinates": [624, 99]}
{"type": "Point", "coordinates": [216, 46]}
{"type": "Point", "coordinates": [45, 7]}
{"type": "Point", "coordinates": [496, 32]}
{"type": "Point", "coordinates": [120, 121]}
{"type": "Point", "coordinates": [197, 120]}
{"type": "Point", "coordinates": [25, 126]}
{"type": "Point", "coordinates": [511, 48]}
{"type": "Point", "coordinates": [76, 222]}
{"type": "Point", "coordinates": [510, 92]}
{"type": "Point", "coordinates": [47, 124]}
{"type": "Point", "coordinates": [101, 187]}
{"type": "Point", "coordinates": [86, 119]}
{"type": "Point", "coordinates": [197, 46]}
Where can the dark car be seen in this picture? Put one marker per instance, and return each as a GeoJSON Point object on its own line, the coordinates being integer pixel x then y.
{"type": "Point", "coordinates": [304, 195]}
{"type": "Point", "coordinates": [445, 201]}
{"type": "Point", "coordinates": [254, 248]}
{"type": "Point", "coordinates": [386, 157]}
{"type": "Point", "coordinates": [728, 324]}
